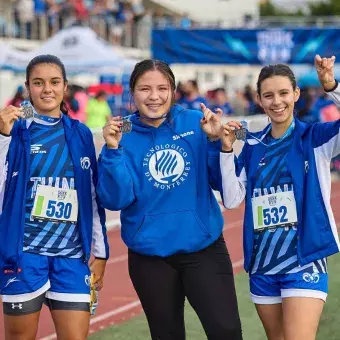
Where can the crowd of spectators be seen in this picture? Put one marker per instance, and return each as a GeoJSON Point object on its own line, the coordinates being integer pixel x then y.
{"type": "Point", "coordinates": [113, 17]}
{"type": "Point", "coordinates": [121, 22]}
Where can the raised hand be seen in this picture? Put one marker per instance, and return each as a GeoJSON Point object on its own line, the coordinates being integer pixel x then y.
{"type": "Point", "coordinates": [211, 123]}
{"type": "Point", "coordinates": [8, 116]}
{"type": "Point", "coordinates": [112, 133]}
{"type": "Point", "coordinates": [325, 70]}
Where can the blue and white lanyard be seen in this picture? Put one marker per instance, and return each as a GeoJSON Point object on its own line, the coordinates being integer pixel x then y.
{"type": "Point", "coordinates": [274, 141]}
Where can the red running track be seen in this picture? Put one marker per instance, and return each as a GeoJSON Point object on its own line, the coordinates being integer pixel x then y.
{"type": "Point", "coordinates": [118, 300]}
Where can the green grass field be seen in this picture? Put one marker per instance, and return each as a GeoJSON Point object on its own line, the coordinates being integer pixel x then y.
{"type": "Point", "coordinates": [329, 329]}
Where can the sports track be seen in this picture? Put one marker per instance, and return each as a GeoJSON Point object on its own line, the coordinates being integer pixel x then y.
{"type": "Point", "coordinates": [118, 300]}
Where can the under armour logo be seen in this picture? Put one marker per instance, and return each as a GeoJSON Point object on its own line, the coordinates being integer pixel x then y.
{"type": "Point", "coordinates": [85, 163]}
{"type": "Point", "coordinates": [15, 173]}
{"type": "Point", "coordinates": [19, 305]}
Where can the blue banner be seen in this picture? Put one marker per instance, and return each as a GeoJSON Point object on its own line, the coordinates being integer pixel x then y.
{"type": "Point", "coordinates": [241, 46]}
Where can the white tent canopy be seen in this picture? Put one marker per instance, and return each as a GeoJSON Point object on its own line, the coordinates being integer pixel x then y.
{"type": "Point", "coordinates": [80, 50]}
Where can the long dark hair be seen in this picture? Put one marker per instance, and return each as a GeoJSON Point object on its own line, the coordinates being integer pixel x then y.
{"type": "Point", "coordinates": [47, 59]}
{"type": "Point", "coordinates": [275, 70]}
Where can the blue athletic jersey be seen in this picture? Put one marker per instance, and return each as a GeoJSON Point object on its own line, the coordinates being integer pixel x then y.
{"type": "Point", "coordinates": [275, 249]}
{"type": "Point", "coordinates": [51, 165]}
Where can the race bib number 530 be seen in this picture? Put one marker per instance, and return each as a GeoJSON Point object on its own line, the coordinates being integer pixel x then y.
{"type": "Point", "coordinates": [55, 204]}
{"type": "Point", "coordinates": [274, 209]}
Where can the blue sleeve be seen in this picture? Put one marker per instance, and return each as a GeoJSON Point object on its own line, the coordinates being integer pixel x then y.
{"type": "Point", "coordinates": [115, 185]}
{"type": "Point", "coordinates": [323, 132]}
{"type": "Point", "coordinates": [326, 138]}
{"type": "Point", "coordinates": [240, 162]}
{"type": "Point", "coordinates": [214, 169]}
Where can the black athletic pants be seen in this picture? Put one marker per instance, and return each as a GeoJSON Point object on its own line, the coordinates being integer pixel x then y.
{"type": "Point", "coordinates": [205, 278]}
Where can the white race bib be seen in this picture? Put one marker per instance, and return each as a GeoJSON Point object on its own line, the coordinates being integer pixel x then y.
{"type": "Point", "coordinates": [55, 204]}
{"type": "Point", "coordinates": [274, 209]}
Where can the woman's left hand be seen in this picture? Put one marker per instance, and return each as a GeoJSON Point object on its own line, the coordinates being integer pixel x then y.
{"type": "Point", "coordinates": [325, 70]}
{"type": "Point", "coordinates": [211, 123]}
{"type": "Point", "coordinates": [97, 268]}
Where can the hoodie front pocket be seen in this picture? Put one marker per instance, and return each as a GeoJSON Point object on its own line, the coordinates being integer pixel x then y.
{"type": "Point", "coordinates": [170, 233]}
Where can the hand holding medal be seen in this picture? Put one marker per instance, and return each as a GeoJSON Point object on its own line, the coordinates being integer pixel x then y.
{"type": "Point", "coordinates": [231, 131]}
{"type": "Point", "coordinates": [8, 116]}
{"type": "Point", "coordinates": [114, 129]}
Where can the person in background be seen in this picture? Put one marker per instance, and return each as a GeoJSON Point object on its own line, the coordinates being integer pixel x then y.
{"type": "Point", "coordinates": [82, 97]}
{"type": "Point", "coordinates": [220, 100]}
{"type": "Point", "coordinates": [185, 21]}
{"type": "Point", "coordinates": [179, 94]}
{"type": "Point", "coordinates": [97, 111]}
{"type": "Point", "coordinates": [192, 98]}
{"type": "Point", "coordinates": [71, 102]}
{"type": "Point", "coordinates": [19, 97]}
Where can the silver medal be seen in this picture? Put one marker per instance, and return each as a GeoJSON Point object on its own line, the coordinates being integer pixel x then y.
{"type": "Point", "coordinates": [241, 134]}
{"type": "Point", "coordinates": [127, 125]}
{"type": "Point", "coordinates": [27, 110]}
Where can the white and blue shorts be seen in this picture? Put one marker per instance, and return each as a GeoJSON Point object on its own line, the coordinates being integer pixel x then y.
{"type": "Point", "coordinates": [271, 289]}
{"type": "Point", "coordinates": [59, 282]}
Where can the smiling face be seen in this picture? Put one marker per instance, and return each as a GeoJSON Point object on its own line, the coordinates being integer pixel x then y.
{"type": "Point", "coordinates": [152, 94]}
{"type": "Point", "coordinates": [46, 87]}
{"type": "Point", "coordinates": [277, 98]}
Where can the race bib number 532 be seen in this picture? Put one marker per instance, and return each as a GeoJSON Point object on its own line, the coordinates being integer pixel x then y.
{"type": "Point", "coordinates": [55, 204]}
{"type": "Point", "coordinates": [274, 209]}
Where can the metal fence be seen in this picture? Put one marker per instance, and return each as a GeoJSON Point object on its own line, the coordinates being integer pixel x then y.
{"type": "Point", "coordinates": [130, 34]}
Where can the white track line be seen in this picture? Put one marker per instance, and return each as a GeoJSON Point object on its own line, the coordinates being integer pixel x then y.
{"type": "Point", "coordinates": [117, 259]}
{"type": "Point", "coordinates": [113, 224]}
{"type": "Point", "coordinates": [238, 264]}
{"type": "Point", "coordinates": [119, 310]}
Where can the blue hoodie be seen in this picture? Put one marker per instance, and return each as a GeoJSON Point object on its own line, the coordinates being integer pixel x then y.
{"type": "Point", "coordinates": [162, 180]}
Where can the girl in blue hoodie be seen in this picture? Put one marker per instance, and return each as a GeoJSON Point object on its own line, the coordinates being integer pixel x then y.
{"type": "Point", "coordinates": [161, 176]}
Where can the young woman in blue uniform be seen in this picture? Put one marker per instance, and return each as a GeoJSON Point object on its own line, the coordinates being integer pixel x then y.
{"type": "Point", "coordinates": [50, 218]}
{"type": "Point", "coordinates": [283, 172]}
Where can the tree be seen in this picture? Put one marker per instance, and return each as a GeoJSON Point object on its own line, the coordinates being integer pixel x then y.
{"type": "Point", "coordinates": [268, 9]}
{"type": "Point", "coordinates": [322, 8]}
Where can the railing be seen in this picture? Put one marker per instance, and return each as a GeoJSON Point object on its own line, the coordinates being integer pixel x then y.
{"type": "Point", "coordinates": [262, 22]}
{"type": "Point", "coordinates": [299, 21]}
{"type": "Point", "coordinates": [130, 34]}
